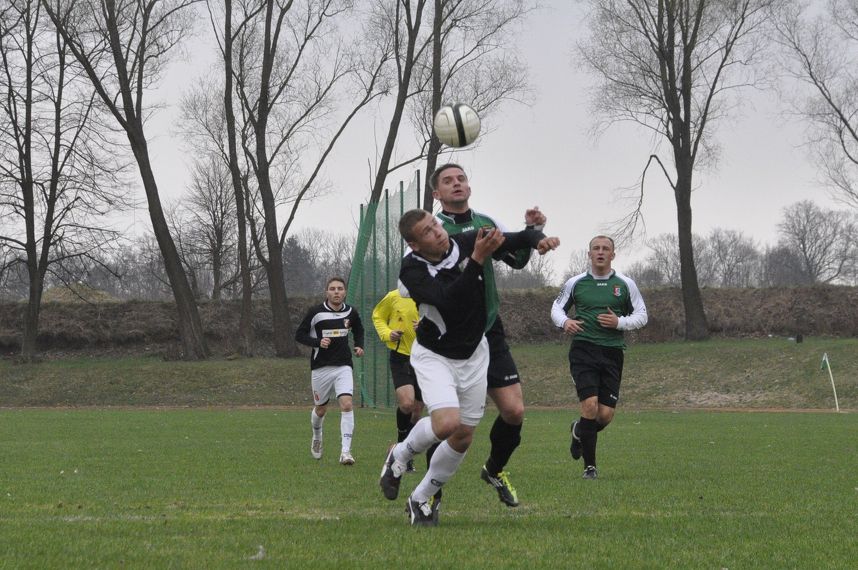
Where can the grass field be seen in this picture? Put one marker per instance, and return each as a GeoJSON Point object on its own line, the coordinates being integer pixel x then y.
{"type": "Point", "coordinates": [208, 488]}
{"type": "Point", "coordinates": [724, 373]}
{"type": "Point", "coordinates": [129, 480]}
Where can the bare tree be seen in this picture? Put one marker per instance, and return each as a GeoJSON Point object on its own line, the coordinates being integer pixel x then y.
{"type": "Point", "coordinates": [734, 258]}
{"type": "Point", "coordinates": [664, 258]}
{"type": "Point", "coordinates": [579, 262]}
{"type": "Point", "coordinates": [123, 45]}
{"type": "Point", "coordinates": [474, 61]}
{"type": "Point", "coordinates": [670, 66]}
{"type": "Point", "coordinates": [210, 205]}
{"type": "Point", "coordinates": [465, 52]}
{"type": "Point", "coordinates": [780, 266]}
{"type": "Point", "coordinates": [822, 54]}
{"type": "Point", "coordinates": [293, 63]}
{"type": "Point", "coordinates": [823, 242]}
{"type": "Point", "coordinates": [536, 274]}
{"type": "Point", "coordinates": [646, 275]}
{"type": "Point", "coordinates": [56, 179]}
{"type": "Point", "coordinates": [398, 26]}
{"type": "Point", "coordinates": [245, 327]}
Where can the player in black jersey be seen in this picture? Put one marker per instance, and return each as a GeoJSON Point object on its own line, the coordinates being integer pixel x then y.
{"type": "Point", "coordinates": [444, 276]}
{"type": "Point", "coordinates": [326, 329]}
{"type": "Point", "coordinates": [451, 187]}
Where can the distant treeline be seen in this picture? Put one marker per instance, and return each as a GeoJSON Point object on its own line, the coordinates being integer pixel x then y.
{"type": "Point", "coordinates": [150, 327]}
{"type": "Point", "coordinates": [815, 246]}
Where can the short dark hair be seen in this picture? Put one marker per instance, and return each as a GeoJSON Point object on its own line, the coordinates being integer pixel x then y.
{"type": "Point", "coordinates": [433, 180]}
{"type": "Point", "coordinates": [334, 278]}
{"type": "Point", "coordinates": [609, 238]}
{"type": "Point", "coordinates": [407, 222]}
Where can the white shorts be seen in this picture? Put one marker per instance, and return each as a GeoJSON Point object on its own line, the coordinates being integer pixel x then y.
{"type": "Point", "coordinates": [328, 379]}
{"type": "Point", "coordinates": [450, 383]}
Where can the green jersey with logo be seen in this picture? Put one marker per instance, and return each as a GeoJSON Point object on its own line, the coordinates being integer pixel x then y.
{"type": "Point", "coordinates": [591, 296]}
{"type": "Point", "coordinates": [471, 220]}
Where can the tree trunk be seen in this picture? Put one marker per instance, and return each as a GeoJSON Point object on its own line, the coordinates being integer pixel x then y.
{"type": "Point", "coordinates": [245, 326]}
{"type": "Point", "coordinates": [434, 143]}
{"type": "Point", "coordinates": [217, 276]}
{"type": "Point", "coordinates": [31, 316]}
{"type": "Point", "coordinates": [283, 335]}
{"type": "Point", "coordinates": [190, 327]}
{"type": "Point", "coordinates": [696, 327]}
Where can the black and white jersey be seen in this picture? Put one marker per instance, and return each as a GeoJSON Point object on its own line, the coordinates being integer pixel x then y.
{"type": "Point", "coordinates": [321, 322]}
{"type": "Point", "coordinates": [450, 294]}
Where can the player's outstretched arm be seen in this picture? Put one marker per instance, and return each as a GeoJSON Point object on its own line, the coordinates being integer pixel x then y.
{"type": "Point", "coordinates": [547, 244]}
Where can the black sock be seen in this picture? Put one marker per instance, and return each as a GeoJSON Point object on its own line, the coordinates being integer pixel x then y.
{"type": "Point", "coordinates": [403, 425]}
{"type": "Point", "coordinates": [505, 438]}
{"type": "Point", "coordinates": [588, 431]}
{"type": "Point", "coordinates": [430, 452]}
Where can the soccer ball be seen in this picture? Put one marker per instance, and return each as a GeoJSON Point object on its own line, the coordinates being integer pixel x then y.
{"type": "Point", "coordinates": [456, 125]}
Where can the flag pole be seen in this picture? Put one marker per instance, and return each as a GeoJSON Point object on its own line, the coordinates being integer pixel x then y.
{"type": "Point", "coordinates": [825, 362]}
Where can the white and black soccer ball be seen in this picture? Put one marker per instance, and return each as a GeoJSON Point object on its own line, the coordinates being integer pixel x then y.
{"type": "Point", "coordinates": [457, 125]}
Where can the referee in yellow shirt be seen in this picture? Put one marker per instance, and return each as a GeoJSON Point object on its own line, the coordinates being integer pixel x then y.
{"type": "Point", "coordinates": [395, 318]}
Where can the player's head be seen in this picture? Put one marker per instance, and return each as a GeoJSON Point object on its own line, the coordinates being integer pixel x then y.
{"type": "Point", "coordinates": [450, 186]}
{"type": "Point", "coordinates": [424, 234]}
{"type": "Point", "coordinates": [601, 254]}
{"type": "Point", "coordinates": [335, 291]}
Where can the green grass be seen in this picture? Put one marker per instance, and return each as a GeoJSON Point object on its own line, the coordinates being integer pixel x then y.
{"type": "Point", "coordinates": [724, 373]}
{"type": "Point", "coordinates": [205, 488]}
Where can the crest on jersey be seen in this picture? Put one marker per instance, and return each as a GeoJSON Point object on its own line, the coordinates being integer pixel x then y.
{"type": "Point", "coordinates": [617, 291]}
{"type": "Point", "coordinates": [346, 323]}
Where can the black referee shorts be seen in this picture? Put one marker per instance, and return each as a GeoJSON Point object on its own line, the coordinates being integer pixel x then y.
{"type": "Point", "coordinates": [403, 373]}
{"type": "Point", "coordinates": [596, 371]}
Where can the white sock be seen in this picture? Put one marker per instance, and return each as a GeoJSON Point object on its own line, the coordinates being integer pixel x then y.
{"type": "Point", "coordinates": [419, 440]}
{"type": "Point", "coordinates": [347, 428]}
{"type": "Point", "coordinates": [445, 463]}
{"type": "Point", "coordinates": [316, 422]}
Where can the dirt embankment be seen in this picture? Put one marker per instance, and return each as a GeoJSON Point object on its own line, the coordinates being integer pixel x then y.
{"type": "Point", "coordinates": [141, 327]}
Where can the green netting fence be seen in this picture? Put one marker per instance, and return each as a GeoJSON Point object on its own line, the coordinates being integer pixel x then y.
{"type": "Point", "coordinates": [373, 274]}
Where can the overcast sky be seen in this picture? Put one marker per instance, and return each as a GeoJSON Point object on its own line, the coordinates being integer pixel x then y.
{"type": "Point", "coordinates": [543, 155]}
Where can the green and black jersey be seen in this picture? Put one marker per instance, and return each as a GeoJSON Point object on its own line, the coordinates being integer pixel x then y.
{"type": "Point", "coordinates": [592, 296]}
{"type": "Point", "coordinates": [471, 220]}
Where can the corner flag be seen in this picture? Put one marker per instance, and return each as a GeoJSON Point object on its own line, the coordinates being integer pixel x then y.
{"type": "Point", "coordinates": [825, 362]}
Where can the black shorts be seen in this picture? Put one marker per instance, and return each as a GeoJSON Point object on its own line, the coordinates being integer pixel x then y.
{"type": "Point", "coordinates": [403, 374]}
{"type": "Point", "coordinates": [502, 369]}
{"type": "Point", "coordinates": [596, 371]}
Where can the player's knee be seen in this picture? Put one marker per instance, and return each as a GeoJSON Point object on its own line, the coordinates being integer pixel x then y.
{"type": "Point", "coordinates": [346, 404]}
{"type": "Point", "coordinates": [513, 415]}
{"type": "Point", "coordinates": [445, 426]}
{"type": "Point", "coordinates": [407, 404]}
{"type": "Point", "coordinates": [321, 411]}
{"type": "Point", "coordinates": [604, 417]}
{"type": "Point", "coordinates": [590, 407]}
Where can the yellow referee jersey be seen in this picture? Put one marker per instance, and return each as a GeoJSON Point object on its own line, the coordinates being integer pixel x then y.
{"type": "Point", "coordinates": [395, 312]}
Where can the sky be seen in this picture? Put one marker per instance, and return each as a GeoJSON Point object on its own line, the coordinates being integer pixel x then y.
{"type": "Point", "coordinates": [544, 155]}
